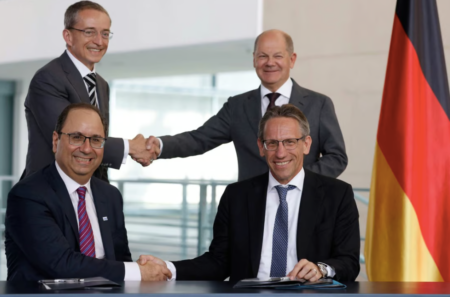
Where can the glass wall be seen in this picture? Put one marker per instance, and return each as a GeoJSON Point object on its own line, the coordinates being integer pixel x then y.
{"type": "Point", "coordinates": [170, 205]}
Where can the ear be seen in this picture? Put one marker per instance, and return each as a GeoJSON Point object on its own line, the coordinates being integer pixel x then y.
{"type": "Point", "coordinates": [67, 37]}
{"type": "Point", "coordinates": [293, 59]}
{"type": "Point", "coordinates": [307, 144]}
{"type": "Point", "coordinates": [55, 139]}
{"type": "Point", "coordinates": [261, 148]}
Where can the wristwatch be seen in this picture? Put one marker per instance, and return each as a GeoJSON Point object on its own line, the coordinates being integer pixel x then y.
{"type": "Point", "coordinates": [323, 269]}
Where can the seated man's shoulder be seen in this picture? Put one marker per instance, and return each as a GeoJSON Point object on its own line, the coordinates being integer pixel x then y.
{"type": "Point", "coordinates": [31, 185]}
{"type": "Point", "coordinates": [107, 189]}
{"type": "Point", "coordinates": [330, 183]}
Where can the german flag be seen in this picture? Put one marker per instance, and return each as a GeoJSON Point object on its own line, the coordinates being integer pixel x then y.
{"type": "Point", "coordinates": [408, 229]}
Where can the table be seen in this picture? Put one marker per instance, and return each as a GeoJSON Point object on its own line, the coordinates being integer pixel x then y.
{"type": "Point", "coordinates": [220, 289]}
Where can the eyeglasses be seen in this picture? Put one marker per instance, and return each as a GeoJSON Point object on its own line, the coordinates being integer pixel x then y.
{"type": "Point", "coordinates": [78, 140]}
{"type": "Point", "coordinates": [289, 144]}
{"type": "Point", "coordinates": [91, 33]}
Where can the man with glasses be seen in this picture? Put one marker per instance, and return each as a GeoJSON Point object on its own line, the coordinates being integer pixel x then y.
{"type": "Point", "coordinates": [286, 222]}
{"type": "Point", "coordinates": [61, 222]}
{"type": "Point", "coordinates": [72, 78]}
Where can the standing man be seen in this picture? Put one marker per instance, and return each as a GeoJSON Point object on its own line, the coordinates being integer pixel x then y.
{"type": "Point", "coordinates": [61, 222]}
{"type": "Point", "coordinates": [72, 78]}
{"type": "Point", "coordinates": [238, 119]}
{"type": "Point", "coordinates": [286, 222]}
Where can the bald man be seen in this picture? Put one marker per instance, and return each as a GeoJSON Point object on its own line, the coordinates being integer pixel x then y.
{"type": "Point", "coordinates": [237, 121]}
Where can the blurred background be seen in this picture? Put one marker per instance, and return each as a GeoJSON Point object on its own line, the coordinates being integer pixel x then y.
{"type": "Point", "coordinates": [171, 65]}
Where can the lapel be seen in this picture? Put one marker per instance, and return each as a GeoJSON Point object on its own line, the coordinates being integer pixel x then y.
{"type": "Point", "coordinates": [57, 184]}
{"type": "Point", "coordinates": [102, 94]}
{"type": "Point", "coordinates": [252, 108]}
{"type": "Point", "coordinates": [74, 77]}
{"type": "Point", "coordinates": [312, 199]}
{"type": "Point", "coordinates": [101, 206]}
{"type": "Point", "coordinates": [256, 214]}
{"type": "Point", "coordinates": [298, 96]}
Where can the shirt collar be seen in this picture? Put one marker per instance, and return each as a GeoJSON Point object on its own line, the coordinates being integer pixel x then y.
{"type": "Point", "coordinates": [80, 66]}
{"type": "Point", "coordinates": [285, 90]}
{"type": "Point", "coordinates": [297, 181]}
{"type": "Point", "coordinates": [71, 185]}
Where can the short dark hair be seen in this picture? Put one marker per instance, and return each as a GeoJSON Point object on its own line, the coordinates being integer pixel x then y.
{"type": "Point", "coordinates": [65, 113]}
{"type": "Point", "coordinates": [287, 39]}
{"type": "Point", "coordinates": [284, 111]}
{"type": "Point", "coordinates": [71, 15]}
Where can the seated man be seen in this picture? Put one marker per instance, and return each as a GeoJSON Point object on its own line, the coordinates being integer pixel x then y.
{"type": "Point", "coordinates": [287, 222]}
{"type": "Point", "coordinates": [62, 222]}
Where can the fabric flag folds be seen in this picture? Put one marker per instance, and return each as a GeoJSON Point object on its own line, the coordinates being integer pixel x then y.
{"type": "Point", "coordinates": [408, 228]}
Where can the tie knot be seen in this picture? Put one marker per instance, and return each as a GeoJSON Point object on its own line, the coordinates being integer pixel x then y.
{"type": "Point", "coordinates": [282, 191]}
{"type": "Point", "coordinates": [81, 192]}
{"type": "Point", "coordinates": [91, 79]}
{"type": "Point", "coordinates": [272, 98]}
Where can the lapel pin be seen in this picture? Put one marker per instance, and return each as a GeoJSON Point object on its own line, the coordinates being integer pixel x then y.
{"type": "Point", "coordinates": [105, 218]}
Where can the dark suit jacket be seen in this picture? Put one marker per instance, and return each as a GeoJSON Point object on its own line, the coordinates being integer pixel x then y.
{"type": "Point", "coordinates": [41, 237]}
{"type": "Point", "coordinates": [238, 121]}
{"type": "Point", "coordinates": [53, 87]}
{"type": "Point", "coordinates": [327, 231]}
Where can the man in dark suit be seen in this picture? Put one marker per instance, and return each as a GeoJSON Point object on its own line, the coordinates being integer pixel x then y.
{"type": "Point", "coordinates": [238, 119]}
{"type": "Point", "coordinates": [72, 78]}
{"type": "Point", "coordinates": [287, 222]}
{"type": "Point", "coordinates": [61, 222]}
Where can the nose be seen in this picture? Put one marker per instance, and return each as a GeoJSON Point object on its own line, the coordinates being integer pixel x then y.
{"type": "Point", "coordinates": [86, 147]}
{"type": "Point", "coordinates": [281, 150]}
{"type": "Point", "coordinates": [98, 39]}
{"type": "Point", "coordinates": [270, 61]}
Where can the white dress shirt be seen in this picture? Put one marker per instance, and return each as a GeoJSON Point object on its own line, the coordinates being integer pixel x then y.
{"type": "Point", "coordinates": [285, 94]}
{"type": "Point", "coordinates": [132, 271]}
{"type": "Point", "coordinates": [85, 71]}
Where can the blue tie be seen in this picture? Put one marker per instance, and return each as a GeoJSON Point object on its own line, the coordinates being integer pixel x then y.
{"type": "Point", "coordinates": [280, 235]}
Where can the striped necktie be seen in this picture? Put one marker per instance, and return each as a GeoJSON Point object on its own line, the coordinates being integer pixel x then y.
{"type": "Point", "coordinates": [280, 235]}
{"type": "Point", "coordinates": [87, 244]}
{"type": "Point", "coordinates": [91, 81]}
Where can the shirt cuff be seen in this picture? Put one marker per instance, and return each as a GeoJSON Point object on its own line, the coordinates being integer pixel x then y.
{"type": "Point", "coordinates": [160, 152]}
{"type": "Point", "coordinates": [126, 150]}
{"type": "Point", "coordinates": [172, 269]}
{"type": "Point", "coordinates": [132, 271]}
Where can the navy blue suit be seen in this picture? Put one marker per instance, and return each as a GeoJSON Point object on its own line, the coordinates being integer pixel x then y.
{"type": "Point", "coordinates": [41, 237]}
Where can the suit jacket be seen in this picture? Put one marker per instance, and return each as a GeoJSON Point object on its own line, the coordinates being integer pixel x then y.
{"type": "Point", "coordinates": [327, 231]}
{"type": "Point", "coordinates": [53, 87]}
{"type": "Point", "coordinates": [41, 237]}
{"type": "Point", "coordinates": [238, 121]}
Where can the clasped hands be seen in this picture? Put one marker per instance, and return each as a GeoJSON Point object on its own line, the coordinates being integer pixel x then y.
{"type": "Point", "coordinates": [144, 151]}
{"type": "Point", "coordinates": [153, 269]}
{"type": "Point", "coordinates": [304, 269]}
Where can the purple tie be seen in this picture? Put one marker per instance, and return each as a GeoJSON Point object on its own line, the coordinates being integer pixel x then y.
{"type": "Point", "coordinates": [87, 244]}
{"type": "Point", "coordinates": [272, 97]}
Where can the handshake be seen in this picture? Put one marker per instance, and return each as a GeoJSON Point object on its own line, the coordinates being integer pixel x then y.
{"type": "Point", "coordinates": [153, 269]}
{"type": "Point", "coordinates": [144, 151]}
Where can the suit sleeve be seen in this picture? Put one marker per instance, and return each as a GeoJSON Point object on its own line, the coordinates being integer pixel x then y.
{"type": "Point", "coordinates": [214, 132]}
{"type": "Point", "coordinates": [332, 147]}
{"type": "Point", "coordinates": [33, 228]}
{"type": "Point", "coordinates": [346, 240]}
{"type": "Point", "coordinates": [122, 254]}
{"type": "Point", "coordinates": [46, 100]}
{"type": "Point", "coordinates": [214, 264]}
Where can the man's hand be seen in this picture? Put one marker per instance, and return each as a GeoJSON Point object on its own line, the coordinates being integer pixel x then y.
{"type": "Point", "coordinates": [154, 272]}
{"type": "Point", "coordinates": [306, 270]}
{"type": "Point", "coordinates": [143, 259]}
{"type": "Point", "coordinates": [139, 152]}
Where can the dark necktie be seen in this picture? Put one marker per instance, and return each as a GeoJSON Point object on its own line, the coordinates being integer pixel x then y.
{"type": "Point", "coordinates": [91, 81]}
{"type": "Point", "coordinates": [272, 97]}
{"type": "Point", "coordinates": [87, 244]}
{"type": "Point", "coordinates": [280, 235]}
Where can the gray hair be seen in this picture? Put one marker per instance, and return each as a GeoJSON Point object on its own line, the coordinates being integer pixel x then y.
{"type": "Point", "coordinates": [71, 15]}
{"type": "Point", "coordinates": [287, 39]}
{"type": "Point", "coordinates": [284, 111]}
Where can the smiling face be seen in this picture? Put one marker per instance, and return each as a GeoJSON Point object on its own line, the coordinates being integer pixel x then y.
{"type": "Point", "coordinates": [284, 164]}
{"type": "Point", "coordinates": [79, 162]}
{"type": "Point", "coordinates": [272, 61]}
{"type": "Point", "coordinates": [88, 50]}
